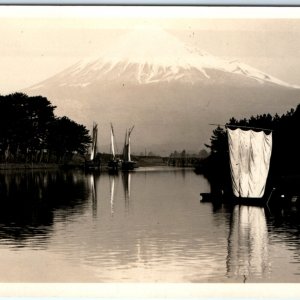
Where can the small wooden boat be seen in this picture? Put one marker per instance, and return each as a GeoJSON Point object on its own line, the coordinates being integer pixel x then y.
{"type": "Point", "coordinates": [127, 163]}
{"type": "Point", "coordinates": [114, 163]}
{"type": "Point", "coordinates": [93, 163]}
{"type": "Point", "coordinates": [250, 153]}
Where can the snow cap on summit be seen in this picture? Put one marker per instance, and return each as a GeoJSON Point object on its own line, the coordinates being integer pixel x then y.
{"type": "Point", "coordinates": [151, 54]}
{"type": "Point", "coordinates": [159, 56]}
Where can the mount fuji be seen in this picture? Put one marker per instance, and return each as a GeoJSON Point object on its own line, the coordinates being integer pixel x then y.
{"type": "Point", "coordinates": [169, 90]}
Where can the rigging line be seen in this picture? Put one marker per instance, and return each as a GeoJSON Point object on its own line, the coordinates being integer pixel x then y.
{"type": "Point", "coordinates": [241, 126]}
{"type": "Point", "coordinates": [130, 130]}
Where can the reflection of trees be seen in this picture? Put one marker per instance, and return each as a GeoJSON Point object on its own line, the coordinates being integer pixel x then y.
{"type": "Point", "coordinates": [284, 224]}
{"type": "Point", "coordinates": [218, 195]}
{"type": "Point", "coordinates": [248, 243]}
{"type": "Point", "coordinates": [28, 201]}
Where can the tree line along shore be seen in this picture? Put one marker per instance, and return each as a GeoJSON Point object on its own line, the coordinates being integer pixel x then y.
{"type": "Point", "coordinates": [285, 158]}
{"type": "Point", "coordinates": [32, 136]}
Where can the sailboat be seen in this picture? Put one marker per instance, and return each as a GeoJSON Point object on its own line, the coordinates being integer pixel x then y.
{"type": "Point", "coordinates": [114, 163]}
{"type": "Point", "coordinates": [93, 163]}
{"type": "Point", "coordinates": [127, 163]}
{"type": "Point", "coordinates": [250, 154]}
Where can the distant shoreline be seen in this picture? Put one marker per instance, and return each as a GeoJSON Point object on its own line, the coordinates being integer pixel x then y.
{"type": "Point", "coordinates": [142, 162]}
{"type": "Point", "coordinates": [29, 166]}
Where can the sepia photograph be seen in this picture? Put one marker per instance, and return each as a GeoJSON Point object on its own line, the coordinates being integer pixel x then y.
{"type": "Point", "coordinates": [149, 145]}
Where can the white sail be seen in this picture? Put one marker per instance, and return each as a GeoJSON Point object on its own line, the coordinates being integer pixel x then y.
{"type": "Point", "coordinates": [129, 133]}
{"type": "Point", "coordinates": [94, 141]}
{"type": "Point", "coordinates": [112, 142]}
{"type": "Point", "coordinates": [250, 154]}
{"type": "Point", "coordinates": [127, 150]}
{"type": "Point", "coordinates": [129, 155]}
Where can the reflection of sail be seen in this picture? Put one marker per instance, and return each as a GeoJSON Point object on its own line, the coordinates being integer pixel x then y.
{"type": "Point", "coordinates": [112, 192]}
{"type": "Point", "coordinates": [247, 243]}
{"type": "Point", "coordinates": [127, 183]}
{"type": "Point", "coordinates": [94, 194]}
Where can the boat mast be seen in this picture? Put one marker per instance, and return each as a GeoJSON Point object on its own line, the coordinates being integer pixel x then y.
{"type": "Point", "coordinates": [112, 142]}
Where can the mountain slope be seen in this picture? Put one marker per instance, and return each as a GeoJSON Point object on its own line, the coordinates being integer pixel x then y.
{"type": "Point", "coordinates": [168, 90]}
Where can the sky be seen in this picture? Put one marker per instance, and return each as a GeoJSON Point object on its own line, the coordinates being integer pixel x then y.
{"type": "Point", "coordinates": [38, 42]}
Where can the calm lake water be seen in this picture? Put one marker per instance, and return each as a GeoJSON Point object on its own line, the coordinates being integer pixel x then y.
{"type": "Point", "coordinates": [145, 226]}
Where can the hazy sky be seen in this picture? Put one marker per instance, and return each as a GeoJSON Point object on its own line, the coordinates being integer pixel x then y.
{"type": "Point", "coordinates": [38, 42]}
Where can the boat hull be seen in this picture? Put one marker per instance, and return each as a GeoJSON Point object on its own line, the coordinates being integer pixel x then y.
{"type": "Point", "coordinates": [91, 165]}
{"type": "Point", "coordinates": [113, 166]}
{"type": "Point", "coordinates": [250, 201]}
{"type": "Point", "coordinates": [230, 198]}
{"type": "Point", "coordinates": [129, 165]}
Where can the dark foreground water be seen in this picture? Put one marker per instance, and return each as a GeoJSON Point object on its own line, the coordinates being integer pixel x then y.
{"type": "Point", "coordinates": [145, 226]}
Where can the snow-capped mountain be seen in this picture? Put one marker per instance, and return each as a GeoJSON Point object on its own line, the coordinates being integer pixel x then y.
{"type": "Point", "coordinates": [168, 89]}
{"type": "Point", "coordinates": [154, 56]}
